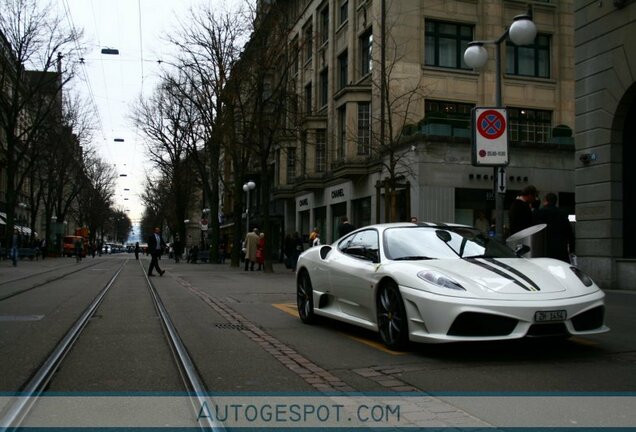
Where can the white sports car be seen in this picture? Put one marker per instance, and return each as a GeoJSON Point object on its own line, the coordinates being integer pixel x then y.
{"type": "Point", "coordinates": [444, 283]}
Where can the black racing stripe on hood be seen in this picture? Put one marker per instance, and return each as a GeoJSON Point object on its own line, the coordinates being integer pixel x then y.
{"type": "Point", "coordinates": [513, 270]}
{"type": "Point", "coordinates": [497, 271]}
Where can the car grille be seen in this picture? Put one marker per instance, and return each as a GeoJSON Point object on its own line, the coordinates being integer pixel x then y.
{"type": "Point", "coordinates": [475, 324]}
{"type": "Point", "coordinates": [589, 320]}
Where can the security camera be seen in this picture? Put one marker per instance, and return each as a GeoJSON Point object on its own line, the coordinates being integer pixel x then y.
{"type": "Point", "coordinates": [586, 158]}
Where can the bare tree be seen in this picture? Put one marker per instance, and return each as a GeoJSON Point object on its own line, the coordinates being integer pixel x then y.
{"type": "Point", "coordinates": [208, 43]}
{"type": "Point", "coordinates": [169, 123]}
{"type": "Point", "coordinates": [258, 102]}
{"type": "Point", "coordinates": [33, 37]}
{"type": "Point", "coordinates": [401, 100]}
{"type": "Point", "coordinates": [96, 198]}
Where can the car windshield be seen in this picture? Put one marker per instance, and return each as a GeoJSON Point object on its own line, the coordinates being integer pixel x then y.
{"type": "Point", "coordinates": [418, 243]}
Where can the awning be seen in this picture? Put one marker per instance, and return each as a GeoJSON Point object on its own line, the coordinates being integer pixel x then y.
{"type": "Point", "coordinates": [23, 230]}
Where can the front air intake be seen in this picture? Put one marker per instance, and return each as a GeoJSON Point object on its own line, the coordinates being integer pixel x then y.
{"type": "Point", "coordinates": [475, 324]}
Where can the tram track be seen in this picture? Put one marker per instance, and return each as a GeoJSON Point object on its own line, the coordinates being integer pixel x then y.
{"type": "Point", "coordinates": [17, 292]}
{"type": "Point", "coordinates": [15, 413]}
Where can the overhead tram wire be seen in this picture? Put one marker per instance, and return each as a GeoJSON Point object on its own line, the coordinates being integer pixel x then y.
{"type": "Point", "coordinates": [141, 47]}
{"type": "Point", "coordinates": [69, 17]}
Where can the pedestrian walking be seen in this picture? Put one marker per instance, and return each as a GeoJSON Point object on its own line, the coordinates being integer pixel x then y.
{"type": "Point", "coordinates": [520, 212]}
{"type": "Point", "coordinates": [316, 241]}
{"type": "Point", "coordinates": [137, 250]}
{"type": "Point", "coordinates": [559, 236]}
{"type": "Point", "coordinates": [77, 244]}
{"type": "Point", "coordinates": [43, 250]}
{"type": "Point", "coordinates": [155, 248]}
{"type": "Point", "coordinates": [222, 249]}
{"type": "Point", "coordinates": [251, 244]}
{"type": "Point", "coordinates": [178, 249]}
{"type": "Point", "coordinates": [299, 249]}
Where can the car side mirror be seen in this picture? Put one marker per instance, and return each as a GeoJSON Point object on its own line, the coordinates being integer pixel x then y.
{"type": "Point", "coordinates": [521, 250]}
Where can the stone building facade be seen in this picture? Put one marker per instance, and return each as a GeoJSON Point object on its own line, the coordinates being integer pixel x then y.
{"type": "Point", "coordinates": [337, 165]}
{"type": "Point", "coordinates": [605, 55]}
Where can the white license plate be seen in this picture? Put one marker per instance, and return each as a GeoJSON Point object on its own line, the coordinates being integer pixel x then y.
{"type": "Point", "coordinates": [546, 316]}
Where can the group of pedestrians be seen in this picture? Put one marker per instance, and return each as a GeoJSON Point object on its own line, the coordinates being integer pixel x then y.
{"type": "Point", "coordinates": [254, 247]}
{"type": "Point", "coordinates": [527, 210]}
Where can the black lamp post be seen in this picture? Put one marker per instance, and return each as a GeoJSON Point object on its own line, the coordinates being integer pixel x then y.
{"type": "Point", "coordinates": [521, 32]}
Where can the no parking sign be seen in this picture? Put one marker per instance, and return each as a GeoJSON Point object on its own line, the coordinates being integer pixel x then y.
{"type": "Point", "coordinates": [490, 136]}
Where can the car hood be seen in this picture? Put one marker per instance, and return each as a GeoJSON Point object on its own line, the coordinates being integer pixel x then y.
{"type": "Point", "coordinates": [504, 278]}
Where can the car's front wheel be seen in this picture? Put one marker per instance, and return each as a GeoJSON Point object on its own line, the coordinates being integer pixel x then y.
{"type": "Point", "coordinates": [392, 321]}
{"type": "Point", "coordinates": [305, 298]}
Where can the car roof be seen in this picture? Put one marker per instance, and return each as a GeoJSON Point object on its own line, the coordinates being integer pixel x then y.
{"type": "Point", "coordinates": [421, 224]}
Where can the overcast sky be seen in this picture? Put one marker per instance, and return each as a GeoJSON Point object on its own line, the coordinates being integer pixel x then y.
{"type": "Point", "coordinates": [137, 28]}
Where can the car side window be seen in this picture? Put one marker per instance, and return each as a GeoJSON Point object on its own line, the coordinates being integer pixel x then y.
{"type": "Point", "coordinates": [363, 245]}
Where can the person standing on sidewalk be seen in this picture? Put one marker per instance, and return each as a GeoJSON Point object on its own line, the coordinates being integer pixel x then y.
{"type": "Point", "coordinates": [15, 243]}
{"type": "Point", "coordinates": [251, 244]}
{"type": "Point", "coordinates": [155, 248]}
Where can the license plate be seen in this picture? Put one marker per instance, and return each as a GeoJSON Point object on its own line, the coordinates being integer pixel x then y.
{"type": "Point", "coordinates": [546, 316]}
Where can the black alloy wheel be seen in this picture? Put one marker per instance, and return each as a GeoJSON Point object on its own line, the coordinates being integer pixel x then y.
{"type": "Point", "coordinates": [392, 321]}
{"type": "Point", "coordinates": [305, 298]}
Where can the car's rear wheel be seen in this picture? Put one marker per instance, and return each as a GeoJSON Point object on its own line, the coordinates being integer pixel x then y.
{"type": "Point", "coordinates": [392, 321]}
{"type": "Point", "coordinates": [305, 298]}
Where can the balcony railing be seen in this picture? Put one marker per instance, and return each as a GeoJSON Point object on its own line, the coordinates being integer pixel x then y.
{"type": "Point", "coordinates": [520, 133]}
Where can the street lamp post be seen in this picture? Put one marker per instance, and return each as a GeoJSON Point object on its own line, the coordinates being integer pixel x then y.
{"type": "Point", "coordinates": [204, 226]}
{"type": "Point", "coordinates": [521, 32]}
{"type": "Point", "coordinates": [247, 187]}
{"type": "Point", "coordinates": [22, 219]}
{"type": "Point", "coordinates": [55, 238]}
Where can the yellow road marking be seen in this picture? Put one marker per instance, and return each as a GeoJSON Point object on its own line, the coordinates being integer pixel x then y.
{"type": "Point", "coordinates": [290, 309]}
{"type": "Point", "coordinates": [581, 341]}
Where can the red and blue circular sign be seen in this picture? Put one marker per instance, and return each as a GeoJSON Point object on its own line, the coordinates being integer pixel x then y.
{"type": "Point", "coordinates": [491, 124]}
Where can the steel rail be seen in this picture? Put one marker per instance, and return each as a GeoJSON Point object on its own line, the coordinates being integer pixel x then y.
{"type": "Point", "coordinates": [187, 365]}
{"type": "Point", "coordinates": [34, 388]}
{"type": "Point", "coordinates": [38, 285]}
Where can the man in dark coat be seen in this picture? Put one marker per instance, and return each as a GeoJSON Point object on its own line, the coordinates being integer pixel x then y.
{"type": "Point", "coordinates": [155, 248]}
{"type": "Point", "coordinates": [345, 227]}
{"type": "Point", "coordinates": [559, 237]}
{"type": "Point", "coordinates": [520, 212]}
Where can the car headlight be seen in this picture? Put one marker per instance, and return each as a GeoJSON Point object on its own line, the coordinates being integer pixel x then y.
{"type": "Point", "coordinates": [587, 281]}
{"type": "Point", "coordinates": [440, 280]}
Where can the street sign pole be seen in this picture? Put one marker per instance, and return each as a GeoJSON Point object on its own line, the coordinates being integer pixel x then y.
{"type": "Point", "coordinates": [490, 148]}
